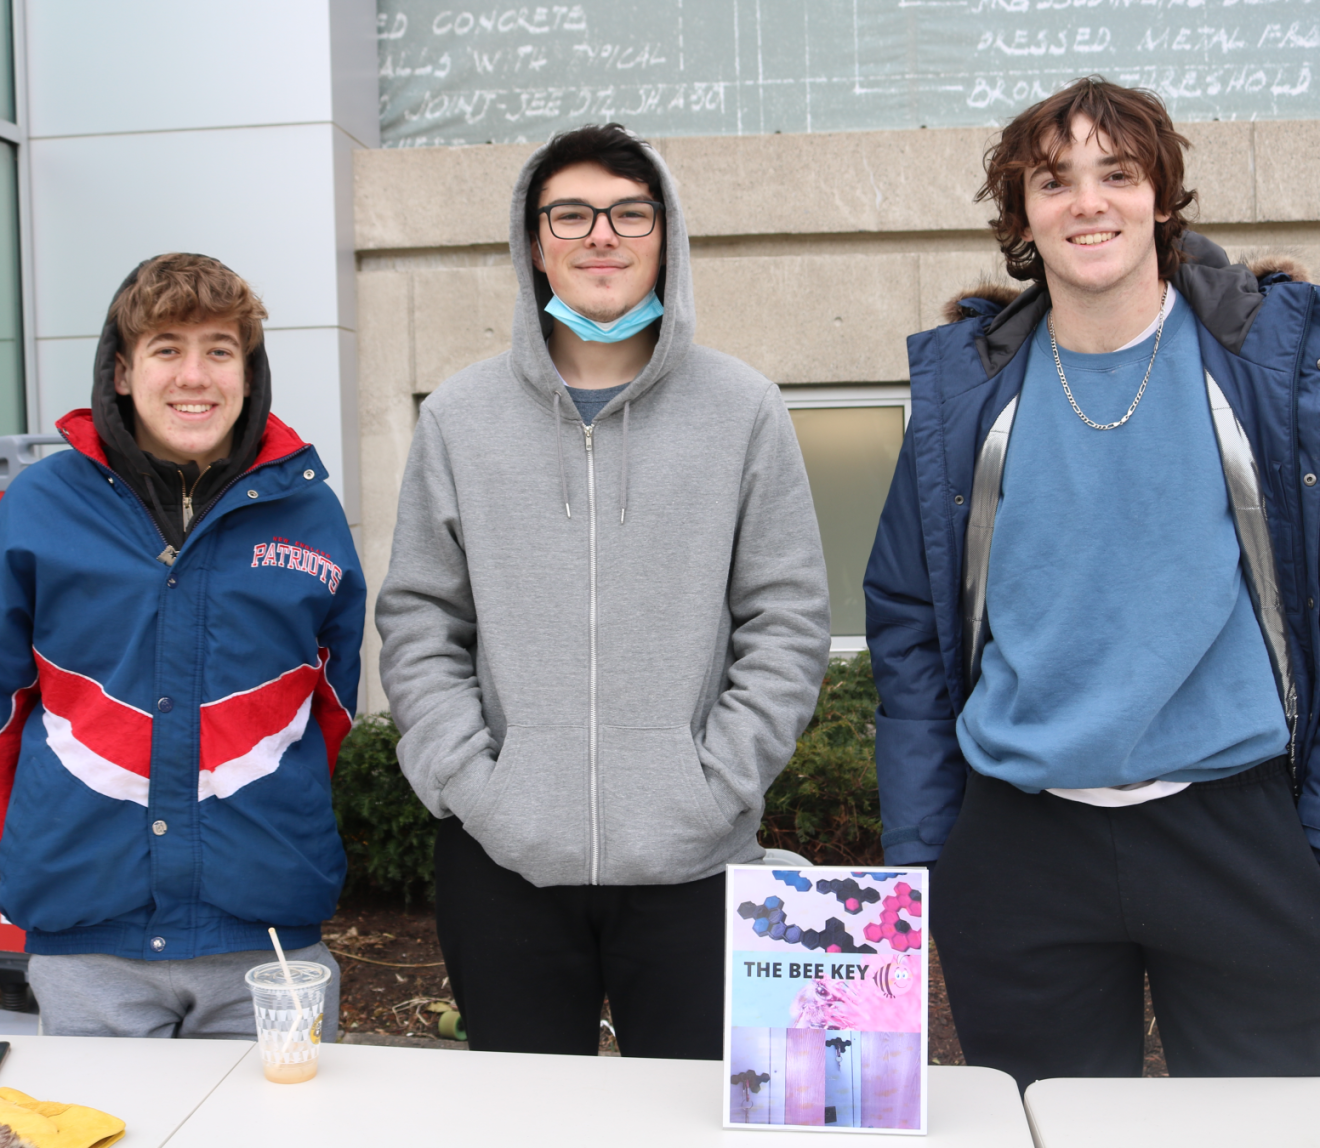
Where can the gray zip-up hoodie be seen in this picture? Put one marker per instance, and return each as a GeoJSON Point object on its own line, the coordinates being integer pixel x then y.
{"type": "Point", "coordinates": [604, 698]}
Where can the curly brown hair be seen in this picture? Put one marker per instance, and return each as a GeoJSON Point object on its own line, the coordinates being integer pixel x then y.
{"type": "Point", "coordinates": [184, 288]}
{"type": "Point", "coordinates": [1140, 131]}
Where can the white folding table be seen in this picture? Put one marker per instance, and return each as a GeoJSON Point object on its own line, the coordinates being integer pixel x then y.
{"type": "Point", "coordinates": [152, 1085]}
{"type": "Point", "coordinates": [370, 1095]}
{"type": "Point", "coordinates": [1179, 1112]}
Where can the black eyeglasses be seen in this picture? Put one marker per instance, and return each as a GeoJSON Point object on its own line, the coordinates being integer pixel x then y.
{"type": "Point", "coordinates": [630, 219]}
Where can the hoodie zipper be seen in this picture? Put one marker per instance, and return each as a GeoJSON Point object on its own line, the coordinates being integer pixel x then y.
{"type": "Point", "coordinates": [186, 495]}
{"type": "Point", "coordinates": [593, 781]}
{"type": "Point", "coordinates": [169, 554]}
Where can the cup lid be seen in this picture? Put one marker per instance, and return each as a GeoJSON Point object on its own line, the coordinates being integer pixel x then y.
{"type": "Point", "coordinates": [306, 975]}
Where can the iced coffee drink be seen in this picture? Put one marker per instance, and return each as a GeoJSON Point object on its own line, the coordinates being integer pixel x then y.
{"type": "Point", "coordinates": [289, 1012]}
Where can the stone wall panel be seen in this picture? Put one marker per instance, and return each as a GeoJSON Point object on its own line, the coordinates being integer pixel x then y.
{"type": "Point", "coordinates": [460, 316]}
{"type": "Point", "coordinates": [810, 318]}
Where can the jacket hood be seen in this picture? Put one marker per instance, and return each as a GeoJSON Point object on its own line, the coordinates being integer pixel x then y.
{"type": "Point", "coordinates": [529, 356]}
{"type": "Point", "coordinates": [113, 413]}
{"type": "Point", "coordinates": [79, 430]}
{"type": "Point", "coordinates": [1224, 295]}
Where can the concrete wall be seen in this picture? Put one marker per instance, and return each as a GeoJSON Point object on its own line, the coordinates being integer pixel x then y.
{"type": "Point", "coordinates": [156, 126]}
{"type": "Point", "coordinates": [815, 256]}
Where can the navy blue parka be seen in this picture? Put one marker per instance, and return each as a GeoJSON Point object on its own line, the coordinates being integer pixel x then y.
{"type": "Point", "coordinates": [1259, 338]}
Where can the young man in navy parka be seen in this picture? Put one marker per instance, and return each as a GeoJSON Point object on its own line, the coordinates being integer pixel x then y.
{"type": "Point", "coordinates": [1091, 608]}
{"type": "Point", "coordinates": [181, 611]}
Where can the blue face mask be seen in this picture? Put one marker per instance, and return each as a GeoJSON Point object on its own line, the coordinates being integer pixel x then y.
{"type": "Point", "coordinates": [624, 327]}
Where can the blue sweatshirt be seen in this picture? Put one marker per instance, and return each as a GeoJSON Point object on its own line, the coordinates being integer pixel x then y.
{"type": "Point", "coordinates": [1123, 643]}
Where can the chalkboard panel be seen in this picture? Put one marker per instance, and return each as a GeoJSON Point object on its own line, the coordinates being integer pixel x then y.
{"type": "Point", "coordinates": [492, 73]}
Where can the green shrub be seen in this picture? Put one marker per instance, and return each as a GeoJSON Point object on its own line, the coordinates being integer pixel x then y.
{"type": "Point", "coordinates": [824, 805]}
{"type": "Point", "coordinates": [388, 834]}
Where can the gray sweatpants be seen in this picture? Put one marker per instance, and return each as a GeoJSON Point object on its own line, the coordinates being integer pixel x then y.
{"type": "Point", "coordinates": [92, 994]}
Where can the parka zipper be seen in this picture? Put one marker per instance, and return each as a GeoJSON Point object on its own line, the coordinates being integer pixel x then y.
{"type": "Point", "coordinates": [593, 783]}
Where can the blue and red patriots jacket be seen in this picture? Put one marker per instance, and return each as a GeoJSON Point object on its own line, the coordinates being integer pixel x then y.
{"type": "Point", "coordinates": [168, 732]}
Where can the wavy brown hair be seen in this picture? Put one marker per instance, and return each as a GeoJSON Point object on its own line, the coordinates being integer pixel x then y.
{"type": "Point", "coordinates": [1136, 124]}
{"type": "Point", "coordinates": [185, 288]}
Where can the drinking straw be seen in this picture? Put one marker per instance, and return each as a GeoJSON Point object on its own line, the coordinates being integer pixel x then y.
{"type": "Point", "coordinates": [288, 976]}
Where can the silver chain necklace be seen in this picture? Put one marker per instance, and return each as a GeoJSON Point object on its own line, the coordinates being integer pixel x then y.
{"type": "Point", "coordinates": [1159, 330]}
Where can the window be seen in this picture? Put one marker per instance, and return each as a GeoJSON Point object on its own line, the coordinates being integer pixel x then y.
{"type": "Point", "coordinates": [850, 438]}
{"type": "Point", "coordinates": [13, 359]}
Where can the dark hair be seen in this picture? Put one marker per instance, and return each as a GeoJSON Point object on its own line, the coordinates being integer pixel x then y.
{"type": "Point", "coordinates": [1138, 127]}
{"type": "Point", "coordinates": [612, 146]}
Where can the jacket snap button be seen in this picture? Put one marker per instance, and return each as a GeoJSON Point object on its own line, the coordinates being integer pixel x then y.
{"type": "Point", "coordinates": [252, 494]}
{"type": "Point", "coordinates": [309, 474]}
{"type": "Point", "coordinates": [1310, 603]}
{"type": "Point", "coordinates": [1309, 479]}
{"type": "Point", "coordinates": [158, 828]}
{"type": "Point", "coordinates": [165, 705]}
{"type": "Point", "coordinates": [957, 499]}
{"type": "Point", "coordinates": [157, 944]}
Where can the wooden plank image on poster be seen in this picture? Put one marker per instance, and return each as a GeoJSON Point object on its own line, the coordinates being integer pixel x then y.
{"type": "Point", "coordinates": [825, 1004]}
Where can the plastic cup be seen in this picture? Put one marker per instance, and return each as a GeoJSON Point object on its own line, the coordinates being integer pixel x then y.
{"type": "Point", "coordinates": [289, 1018]}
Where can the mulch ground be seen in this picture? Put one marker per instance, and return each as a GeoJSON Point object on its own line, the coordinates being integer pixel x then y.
{"type": "Point", "coordinates": [394, 983]}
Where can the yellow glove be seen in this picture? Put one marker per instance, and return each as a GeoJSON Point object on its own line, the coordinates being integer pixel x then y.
{"type": "Point", "coordinates": [48, 1124]}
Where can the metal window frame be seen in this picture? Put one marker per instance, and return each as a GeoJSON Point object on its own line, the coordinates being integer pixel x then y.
{"type": "Point", "coordinates": [844, 395]}
{"type": "Point", "coordinates": [17, 134]}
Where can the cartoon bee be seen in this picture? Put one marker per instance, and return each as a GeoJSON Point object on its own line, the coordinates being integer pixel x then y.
{"type": "Point", "coordinates": [894, 978]}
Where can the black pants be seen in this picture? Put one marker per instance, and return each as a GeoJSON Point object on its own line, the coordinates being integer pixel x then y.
{"type": "Point", "coordinates": [530, 967]}
{"type": "Point", "coordinates": [1047, 912]}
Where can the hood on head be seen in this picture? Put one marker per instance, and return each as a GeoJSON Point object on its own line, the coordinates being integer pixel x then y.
{"type": "Point", "coordinates": [113, 416]}
{"type": "Point", "coordinates": [532, 326]}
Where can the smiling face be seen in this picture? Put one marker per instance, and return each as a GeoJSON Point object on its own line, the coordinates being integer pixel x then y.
{"type": "Point", "coordinates": [1093, 218]}
{"type": "Point", "coordinates": [188, 382]}
{"type": "Point", "coordinates": [601, 276]}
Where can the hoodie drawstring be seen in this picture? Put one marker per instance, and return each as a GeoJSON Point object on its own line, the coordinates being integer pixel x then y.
{"type": "Point", "coordinates": [623, 465]}
{"type": "Point", "coordinates": [559, 446]}
{"type": "Point", "coordinates": [623, 468]}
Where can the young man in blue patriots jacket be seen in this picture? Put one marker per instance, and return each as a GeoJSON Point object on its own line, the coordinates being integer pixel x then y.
{"type": "Point", "coordinates": [181, 610]}
{"type": "Point", "coordinates": [1102, 726]}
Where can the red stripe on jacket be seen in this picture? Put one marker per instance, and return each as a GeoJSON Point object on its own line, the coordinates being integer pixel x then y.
{"type": "Point", "coordinates": [232, 727]}
{"type": "Point", "coordinates": [116, 731]}
{"type": "Point", "coordinates": [330, 713]}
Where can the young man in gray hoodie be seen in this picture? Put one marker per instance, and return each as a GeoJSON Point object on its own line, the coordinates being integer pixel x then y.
{"type": "Point", "coordinates": [605, 624]}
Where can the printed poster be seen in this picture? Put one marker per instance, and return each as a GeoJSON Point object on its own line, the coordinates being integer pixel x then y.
{"type": "Point", "coordinates": [825, 999]}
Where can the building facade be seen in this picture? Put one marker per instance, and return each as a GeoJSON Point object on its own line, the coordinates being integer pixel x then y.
{"type": "Point", "coordinates": [143, 127]}
{"type": "Point", "coordinates": [814, 257]}
{"type": "Point", "coordinates": [253, 133]}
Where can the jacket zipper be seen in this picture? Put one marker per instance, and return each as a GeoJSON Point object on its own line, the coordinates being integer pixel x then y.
{"type": "Point", "coordinates": [593, 783]}
{"type": "Point", "coordinates": [169, 554]}
{"type": "Point", "coordinates": [186, 495]}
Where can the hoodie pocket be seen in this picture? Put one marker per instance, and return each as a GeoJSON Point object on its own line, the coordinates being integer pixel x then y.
{"type": "Point", "coordinates": [532, 817]}
{"type": "Point", "coordinates": [660, 822]}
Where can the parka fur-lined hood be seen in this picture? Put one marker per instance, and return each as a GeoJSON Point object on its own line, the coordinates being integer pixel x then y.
{"type": "Point", "coordinates": [1224, 295]}
{"type": "Point", "coordinates": [1262, 266]}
